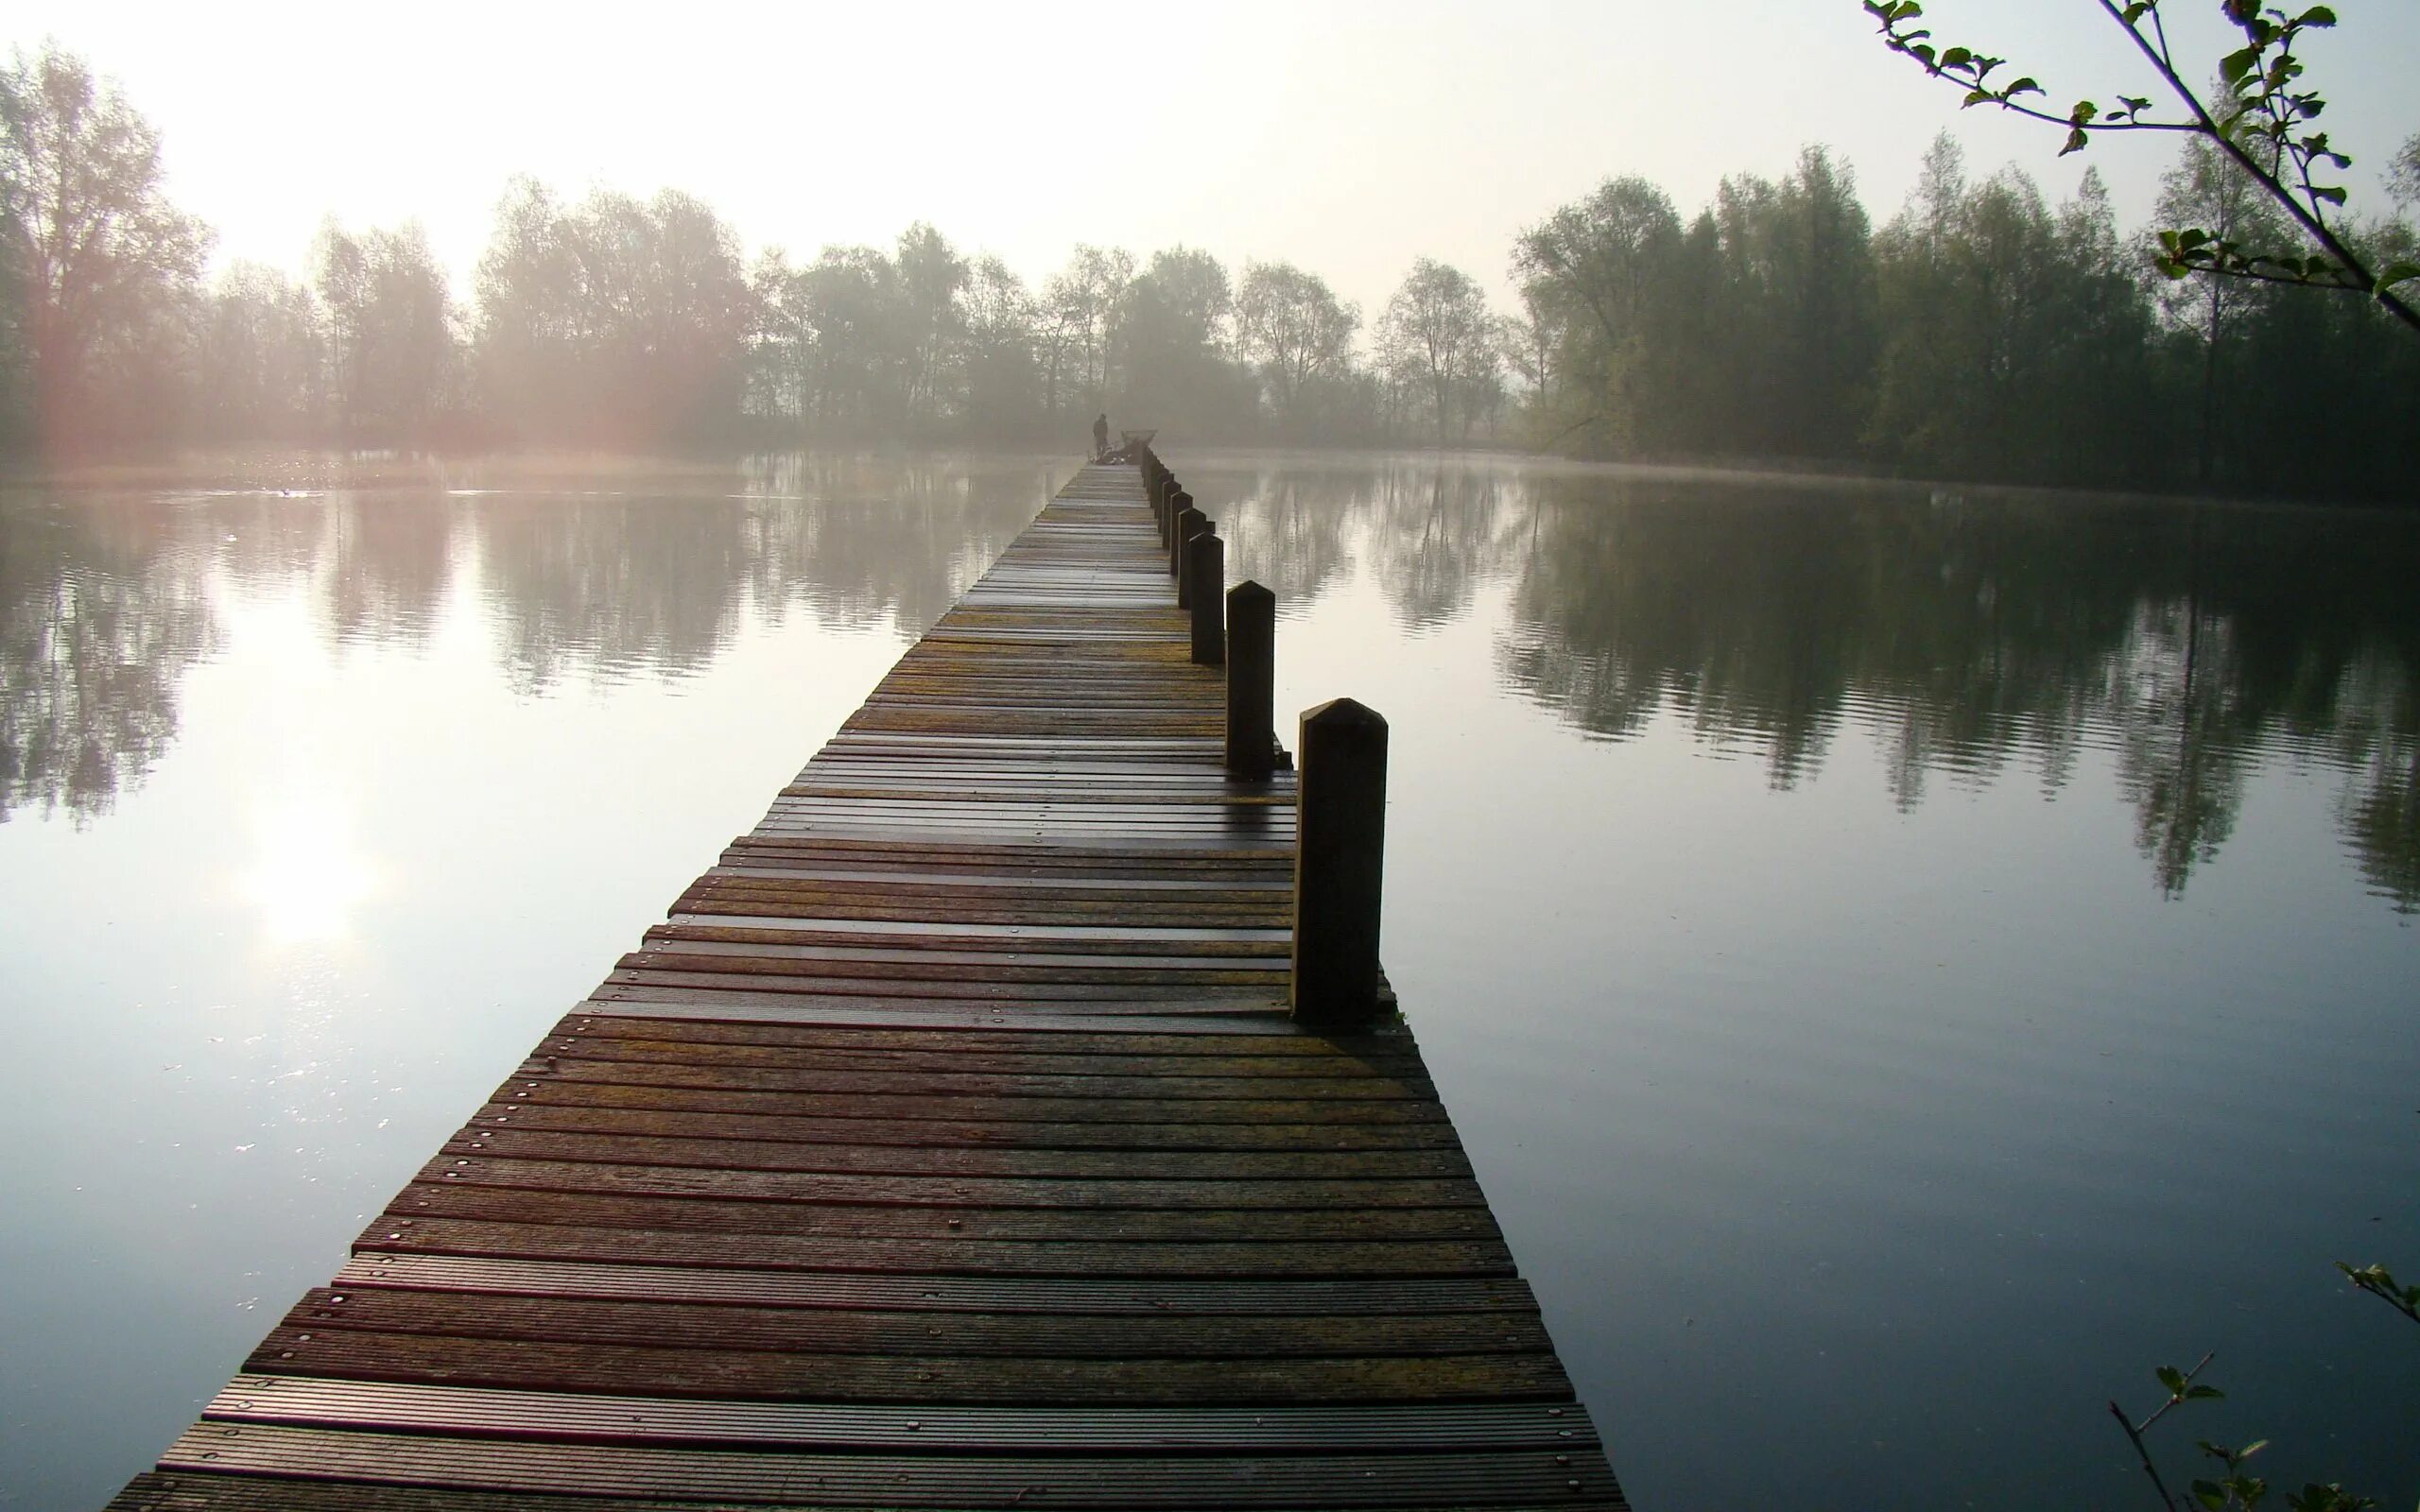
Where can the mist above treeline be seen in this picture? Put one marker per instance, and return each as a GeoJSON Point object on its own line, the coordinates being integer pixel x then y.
{"type": "Point", "coordinates": [1982, 333]}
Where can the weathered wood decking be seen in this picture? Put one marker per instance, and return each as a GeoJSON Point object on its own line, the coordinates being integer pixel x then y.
{"type": "Point", "coordinates": [947, 1147]}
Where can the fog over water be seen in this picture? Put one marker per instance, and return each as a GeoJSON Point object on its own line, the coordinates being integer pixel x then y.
{"type": "Point", "coordinates": [1905, 962]}
{"type": "Point", "coordinates": [1904, 828]}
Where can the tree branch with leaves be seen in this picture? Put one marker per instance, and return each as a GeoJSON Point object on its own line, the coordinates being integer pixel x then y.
{"type": "Point", "coordinates": [2263, 124]}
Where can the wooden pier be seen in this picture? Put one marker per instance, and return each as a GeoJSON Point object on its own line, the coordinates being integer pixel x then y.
{"type": "Point", "coordinates": [950, 1145]}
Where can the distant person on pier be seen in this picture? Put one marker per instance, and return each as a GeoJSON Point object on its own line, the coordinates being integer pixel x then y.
{"type": "Point", "coordinates": [1100, 435]}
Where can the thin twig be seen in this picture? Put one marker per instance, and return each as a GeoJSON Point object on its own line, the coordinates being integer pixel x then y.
{"type": "Point", "coordinates": [2144, 1454]}
{"type": "Point", "coordinates": [2135, 1431]}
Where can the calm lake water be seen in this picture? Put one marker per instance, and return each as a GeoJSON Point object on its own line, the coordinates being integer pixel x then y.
{"type": "Point", "coordinates": [1904, 964]}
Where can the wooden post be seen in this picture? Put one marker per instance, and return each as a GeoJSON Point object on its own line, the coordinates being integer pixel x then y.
{"type": "Point", "coordinates": [1192, 544]}
{"type": "Point", "coordinates": [1205, 582]}
{"type": "Point", "coordinates": [1338, 859]}
{"type": "Point", "coordinates": [1179, 501]}
{"type": "Point", "coordinates": [1188, 524]}
{"type": "Point", "coordinates": [1252, 682]}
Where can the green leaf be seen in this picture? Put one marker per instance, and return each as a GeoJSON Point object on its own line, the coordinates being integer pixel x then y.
{"type": "Point", "coordinates": [2173, 1379]}
{"type": "Point", "coordinates": [2210, 1495]}
{"type": "Point", "coordinates": [2023, 86]}
{"type": "Point", "coordinates": [2329, 1498]}
{"type": "Point", "coordinates": [2076, 139]}
{"type": "Point", "coordinates": [2084, 112]}
{"type": "Point", "coordinates": [2327, 192]}
{"type": "Point", "coordinates": [2202, 1393]}
{"type": "Point", "coordinates": [2397, 273]}
{"type": "Point", "coordinates": [2316, 16]}
{"type": "Point", "coordinates": [1956, 57]}
{"type": "Point", "coordinates": [2235, 66]}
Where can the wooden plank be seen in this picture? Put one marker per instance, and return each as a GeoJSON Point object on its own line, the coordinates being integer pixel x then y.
{"type": "Point", "coordinates": [937, 1135]}
{"type": "Point", "coordinates": [303, 1400]}
{"type": "Point", "coordinates": [766, 1009]}
{"type": "Point", "coordinates": [973, 1082]}
{"type": "Point", "coordinates": [727, 1151]}
{"type": "Point", "coordinates": [187, 1492]}
{"type": "Point", "coordinates": [711, 1095]}
{"type": "Point", "coordinates": [616, 1042]}
{"type": "Point", "coordinates": [762, 1184]}
{"type": "Point", "coordinates": [726, 1280]}
{"type": "Point", "coordinates": [826, 1220]}
{"type": "Point", "coordinates": [1245, 1260]}
{"type": "Point", "coordinates": [762, 1375]}
{"type": "Point", "coordinates": [879, 1480]}
{"type": "Point", "coordinates": [1388, 1040]}
{"type": "Point", "coordinates": [658, 1324]}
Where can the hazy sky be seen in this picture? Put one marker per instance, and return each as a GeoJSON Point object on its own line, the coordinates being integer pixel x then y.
{"type": "Point", "coordinates": [1349, 138]}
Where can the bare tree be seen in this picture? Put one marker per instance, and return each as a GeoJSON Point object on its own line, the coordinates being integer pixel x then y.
{"type": "Point", "coordinates": [1295, 326]}
{"type": "Point", "coordinates": [1437, 335]}
{"type": "Point", "coordinates": [1085, 299]}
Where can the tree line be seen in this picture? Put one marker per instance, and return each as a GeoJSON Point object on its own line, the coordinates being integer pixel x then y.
{"type": "Point", "coordinates": [1982, 333]}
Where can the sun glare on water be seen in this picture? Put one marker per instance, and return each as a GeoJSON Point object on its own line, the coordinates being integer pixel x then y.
{"type": "Point", "coordinates": [309, 877]}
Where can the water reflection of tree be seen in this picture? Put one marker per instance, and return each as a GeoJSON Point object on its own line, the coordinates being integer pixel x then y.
{"type": "Point", "coordinates": [2380, 741]}
{"type": "Point", "coordinates": [1437, 537]}
{"type": "Point", "coordinates": [1642, 602]}
{"type": "Point", "coordinates": [2183, 737]}
{"type": "Point", "coordinates": [106, 600]}
{"type": "Point", "coordinates": [1966, 637]}
{"type": "Point", "coordinates": [100, 615]}
{"type": "Point", "coordinates": [861, 539]}
{"type": "Point", "coordinates": [1288, 527]}
{"type": "Point", "coordinates": [392, 557]}
{"type": "Point", "coordinates": [655, 579]}
{"type": "Point", "coordinates": [610, 585]}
